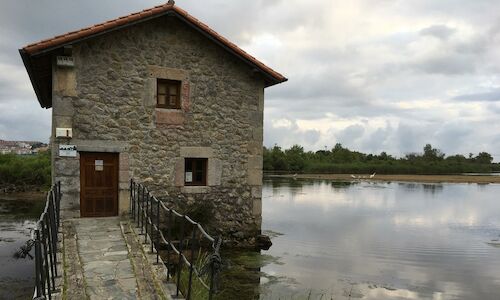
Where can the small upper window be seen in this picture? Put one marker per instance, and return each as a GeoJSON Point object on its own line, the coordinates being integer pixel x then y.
{"type": "Point", "coordinates": [168, 94]}
{"type": "Point", "coordinates": [195, 171]}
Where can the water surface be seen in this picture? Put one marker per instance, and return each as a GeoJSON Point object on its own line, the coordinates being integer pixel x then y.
{"type": "Point", "coordinates": [364, 240]}
{"type": "Point", "coordinates": [17, 216]}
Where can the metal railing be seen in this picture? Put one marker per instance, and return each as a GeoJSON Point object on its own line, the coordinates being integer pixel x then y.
{"type": "Point", "coordinates": [44, 238]}
{"type": "Point", "coordinates": [182, 237]}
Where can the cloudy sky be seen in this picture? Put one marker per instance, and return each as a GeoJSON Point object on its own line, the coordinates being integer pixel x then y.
{"type": "Point", "coordinates": [374, 75]}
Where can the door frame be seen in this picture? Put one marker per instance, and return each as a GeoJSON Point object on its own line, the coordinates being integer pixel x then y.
{"type": "Point", "coordinates": [116, 185]}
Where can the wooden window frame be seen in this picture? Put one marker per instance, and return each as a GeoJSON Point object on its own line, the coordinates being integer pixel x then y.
{"type": "Point", "coordinates": [168, 83]}
{"type": "Point", "coordinates": [193, 161]}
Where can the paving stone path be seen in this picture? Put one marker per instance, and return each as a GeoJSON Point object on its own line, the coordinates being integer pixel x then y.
{"type": "Point", "coordinates": [104, 257]}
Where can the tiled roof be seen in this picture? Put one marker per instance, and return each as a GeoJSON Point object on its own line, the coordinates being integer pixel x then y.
{"type": "Point", "coordinates": [69, 37]}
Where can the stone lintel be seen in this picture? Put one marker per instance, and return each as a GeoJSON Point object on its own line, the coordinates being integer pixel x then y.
{"type": "Point", "coordinates": [168, 73]}
{"type": "Point", "coordinates": [100, 145]}
{"type": "Point", "coordinates": [196, 152]}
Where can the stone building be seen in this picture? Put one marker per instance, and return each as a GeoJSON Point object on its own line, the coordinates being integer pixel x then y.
{"type": "Point", "coordinates": [160, 97]}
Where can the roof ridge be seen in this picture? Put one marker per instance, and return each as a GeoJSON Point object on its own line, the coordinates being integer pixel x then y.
{"type": "Point", "coordinates": [73, 36]}
{"type": "Point", "coordinates": [30, 48]}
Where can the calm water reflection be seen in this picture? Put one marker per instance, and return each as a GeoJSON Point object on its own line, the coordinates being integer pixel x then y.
{"type": "Point", "coordinates": [17, 216]}
{"type": "Point", "coordinates": [382, 240]}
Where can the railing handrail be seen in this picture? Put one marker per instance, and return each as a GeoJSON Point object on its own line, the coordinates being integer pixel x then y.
{"type": "Point", "coordinates": [44, 238]}
{"type": "Point", "coordinates": [148, 219]}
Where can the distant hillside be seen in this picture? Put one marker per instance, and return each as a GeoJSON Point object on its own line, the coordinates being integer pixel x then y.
{"type": "Point", "coordinates": [22, 147]}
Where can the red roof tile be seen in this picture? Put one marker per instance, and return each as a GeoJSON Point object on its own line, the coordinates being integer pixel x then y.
{"type": "Point", "coordinates": [157, 10]}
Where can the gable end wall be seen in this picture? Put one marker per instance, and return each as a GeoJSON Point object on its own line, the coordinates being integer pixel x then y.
{"type": "Point", "coordinates": [108, 98]}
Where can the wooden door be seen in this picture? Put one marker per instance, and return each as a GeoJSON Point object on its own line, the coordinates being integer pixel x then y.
{"type": "Point", "coordinates": [98, 184]}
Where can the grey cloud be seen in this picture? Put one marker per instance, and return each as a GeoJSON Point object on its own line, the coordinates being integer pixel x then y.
{"type": "Point", "coordinates": [24, 122]}
{"type": "Point", "coordinates": [288, 136]}
{"type": "Point", "coordinates": [439, 31]}
{"type": "Point", "coordinates": [493, 95]}
{"type": "Point", "coordinates": [447, 64]}
{"type": "Point", "coordinates": [351, 133]}
{"type": "Point", "coordinates": [378, 140]}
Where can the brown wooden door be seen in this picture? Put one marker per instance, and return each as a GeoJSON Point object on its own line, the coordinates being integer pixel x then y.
{"type": "Point", "coordinates": [98, 184]}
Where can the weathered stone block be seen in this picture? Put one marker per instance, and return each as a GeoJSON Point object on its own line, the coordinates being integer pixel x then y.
{"type": "Point", "coordinates": [195, 189]}
{"type": "Point", "coordinates": [179, 172]}
{"type": "Point", "coordinates": [67, 166]}
{"type": "Point", "coordinates": [123, 202]}
{"type": "Point", "coordinates": [201, 152]}
{"type": "Point", "coordinates": [254, 177]}
{"type": "Point", "coordinates": [169, 116]}
{"type": "Point", "coordinates": [257, 207]}
{"type": "Point", "coordinates": [124, 176]}
{"type": "Point", "coordinates": [254, 162]}
{"type": "Point", "coordinates": [65, 82]}
{"type": "Point", "coordinates": [214, 172]}
{"type": "Point", "coordinates": [257, 192]}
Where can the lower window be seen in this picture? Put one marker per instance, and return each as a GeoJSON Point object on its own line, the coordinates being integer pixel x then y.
{"type": "Point", "coordinates": [195, 171]}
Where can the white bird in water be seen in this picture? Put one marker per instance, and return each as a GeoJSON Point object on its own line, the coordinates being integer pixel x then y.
{"type": "Point", "coordinates": [373, 175]}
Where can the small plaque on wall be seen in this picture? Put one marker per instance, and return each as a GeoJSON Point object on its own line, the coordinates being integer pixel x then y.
{"type": "Point", "coordinates": [99, 165]}
{"type": "Point", "coordinates": [189, 176]}
{"type": "Point", "coordinates": [67, 150]}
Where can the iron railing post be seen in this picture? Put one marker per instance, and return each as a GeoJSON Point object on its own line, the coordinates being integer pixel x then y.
{"type": "Point", "coordinates": [58, 204]}
{"type": "Point", "coordinates": [179, 265]}
{"type": "Point", "coordinates": [52, 238]}
{"type": "Point", "coordinates": [152, 223]}
{"type": "Point", "coordinates": [169, 240]}
{"type": "Point", "coordinates": [130, 193]}
{"type": "Point", "coordinates": [45, 258]}
{"type": "Point", "coordinates": [157, 231]}
{"type": "Point", "coordinates": [193, 237]}
{"type": "Point", "coordinates": [142, 209]}
{"type": "Point", "coordinates": [138, 191]}
{"type": "Point", "coordinates": [38, 267]}
{"type": "Point", "coordinates": [147, 217]}
{"type": "Point", "coordinates": [212, 273]}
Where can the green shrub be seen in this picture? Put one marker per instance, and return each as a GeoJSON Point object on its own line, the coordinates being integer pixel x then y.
{"type": "Point", "coordinates": [25, 169]}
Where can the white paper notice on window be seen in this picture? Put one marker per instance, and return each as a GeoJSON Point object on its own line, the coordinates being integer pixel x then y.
{"type": "Point", "coordinates": [99, 165]}
{"type": "Point", "coordinates": [189, 176]}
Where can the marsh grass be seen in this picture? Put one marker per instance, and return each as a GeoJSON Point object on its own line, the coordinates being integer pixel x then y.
{"type": "Point", "coordinates": [22, 170]}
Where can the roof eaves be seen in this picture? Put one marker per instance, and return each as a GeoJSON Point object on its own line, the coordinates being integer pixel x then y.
{"type": "Point", "coordinates": [27, 64]}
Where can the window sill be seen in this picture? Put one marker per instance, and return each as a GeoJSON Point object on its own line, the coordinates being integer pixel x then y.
{"type": "Point", "coordinates": [169, 116]}
{"type": "Point", "coordinates": [195, 189]}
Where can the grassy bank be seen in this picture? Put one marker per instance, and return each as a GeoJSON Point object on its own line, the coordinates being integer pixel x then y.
{"type": "Point", "coordinates": [408, 178]}
{"type": "Point", "coordinates": [25, 170]}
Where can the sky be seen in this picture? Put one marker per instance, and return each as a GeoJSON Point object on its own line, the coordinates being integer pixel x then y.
{"type": "Point", "coordinates": [373, 75]}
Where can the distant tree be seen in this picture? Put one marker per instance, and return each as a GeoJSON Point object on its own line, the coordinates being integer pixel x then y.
{"type": "Point", "coordinates": [383, 156]}
{"type": "Point", "coordinates": [484, 158]}
{"type": "Point", "coordinates": [457, 158]}
{"type": "Point", "coordinates": [341, 154]}
{"type": "Point", "coordinates": [432, 154]}
{"type": "Point", "coordinates": [279, 162]}
{"type": "Point", "coordinates": [295, 158]}
{"type": "Point", "coordinates": [412, 156]}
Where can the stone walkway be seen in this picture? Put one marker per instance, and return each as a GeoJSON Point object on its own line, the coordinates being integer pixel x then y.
{"type": "Point", "coordinates": [104, 257]}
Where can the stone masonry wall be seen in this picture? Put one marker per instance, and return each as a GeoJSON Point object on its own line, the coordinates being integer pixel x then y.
{"type": "Point", "coordinates": [108, 99]}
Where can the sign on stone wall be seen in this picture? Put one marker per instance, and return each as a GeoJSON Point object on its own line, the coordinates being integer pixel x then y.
{"type": "Point", "coordinates": [189, 176]}
{"type": "Point", "coordinates": [67, 150]}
